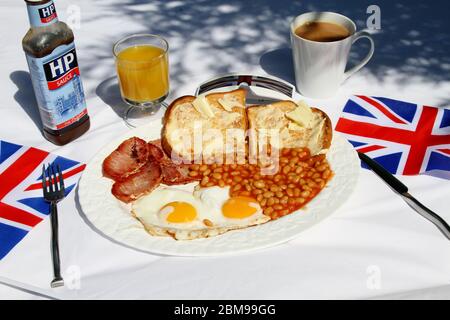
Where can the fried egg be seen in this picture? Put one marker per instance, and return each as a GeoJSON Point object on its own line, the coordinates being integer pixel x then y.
{"type": "Point", "coordinates": [205, 213]}
{"type": "Point", "coordinates": [231, 211]}
{"type": "Point", "coordinates": [169, 207]}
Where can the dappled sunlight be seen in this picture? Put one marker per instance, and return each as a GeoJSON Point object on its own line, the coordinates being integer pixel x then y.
{"type": "Point", "coordinates": [210, 37]}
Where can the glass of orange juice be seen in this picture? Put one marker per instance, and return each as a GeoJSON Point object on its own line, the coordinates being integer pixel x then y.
{"type": "Point", "coordinates": [143, 71]}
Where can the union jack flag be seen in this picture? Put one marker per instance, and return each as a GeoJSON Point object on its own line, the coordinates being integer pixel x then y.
{"type": "Point", "coordinates": [405, 138]}
{"type": "Point", "coordinates": [22, 205]}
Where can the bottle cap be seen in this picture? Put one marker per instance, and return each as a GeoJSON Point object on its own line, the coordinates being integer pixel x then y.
{"type": "Point", "coordinates": [35, 2]}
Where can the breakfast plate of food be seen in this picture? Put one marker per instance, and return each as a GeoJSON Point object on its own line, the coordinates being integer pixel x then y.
{"type": "Point", "coordinates": [217, 176]}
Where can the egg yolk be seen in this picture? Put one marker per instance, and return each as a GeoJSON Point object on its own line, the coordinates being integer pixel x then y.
{"type": "Point", "coordinates": [179, 212]}
{"type": "Point", "coordinates": [239, 207]}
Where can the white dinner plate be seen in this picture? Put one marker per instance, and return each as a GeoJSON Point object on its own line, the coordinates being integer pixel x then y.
{"type": "Point", "coordinates": [113, 219]}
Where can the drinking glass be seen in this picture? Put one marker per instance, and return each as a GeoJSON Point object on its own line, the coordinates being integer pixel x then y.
{"type": "Point", "coordinates": [143, 71]}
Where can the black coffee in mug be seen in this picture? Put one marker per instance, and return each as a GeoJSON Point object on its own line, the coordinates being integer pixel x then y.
{"type": "Point", "coordinates": [322, 31]}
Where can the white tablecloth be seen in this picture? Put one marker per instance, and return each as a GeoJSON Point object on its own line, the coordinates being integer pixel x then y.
{"type": "Point", "coordinates": [373, 246]}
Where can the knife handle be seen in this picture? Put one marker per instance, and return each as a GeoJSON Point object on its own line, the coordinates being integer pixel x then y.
{"type": "Point", "coordinates": [392, 181]}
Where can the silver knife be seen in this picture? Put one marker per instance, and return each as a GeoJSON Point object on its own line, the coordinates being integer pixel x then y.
{"type": "Point", "coordinates": [402, 190]}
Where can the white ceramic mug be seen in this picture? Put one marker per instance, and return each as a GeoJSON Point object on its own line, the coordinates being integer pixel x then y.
{"type": "Point", "coordinates": [320, 66]}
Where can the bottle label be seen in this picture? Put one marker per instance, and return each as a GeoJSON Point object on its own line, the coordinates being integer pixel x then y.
{"type": "Point", "coordinates": [57, 85]}
{"type": "Point", "coordinates": [42, 15]}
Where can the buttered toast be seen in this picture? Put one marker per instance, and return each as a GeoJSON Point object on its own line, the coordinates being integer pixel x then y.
{"type": "Point", "coordinates": [298, 125]}
{"type": "Point", "coordinates": [195, 127]}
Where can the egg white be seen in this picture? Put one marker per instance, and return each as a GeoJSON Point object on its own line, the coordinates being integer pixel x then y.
{"type": "Point", "coordinates": [208, 205]}
{"type": "Point", "coordinates": [148, 208]}
{"type": "Point", "coordinates": [215, 197]}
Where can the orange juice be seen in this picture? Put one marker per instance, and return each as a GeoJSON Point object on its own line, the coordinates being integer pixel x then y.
{"type": "Point", "coordinates": [143, 73]}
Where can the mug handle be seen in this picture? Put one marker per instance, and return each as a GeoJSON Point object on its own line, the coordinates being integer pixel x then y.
{"type": "Point", "coordinates": [356, 37]}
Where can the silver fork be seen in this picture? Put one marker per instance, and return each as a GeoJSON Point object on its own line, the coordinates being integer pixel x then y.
{"type": "Point", "coordinates": [53, 188]}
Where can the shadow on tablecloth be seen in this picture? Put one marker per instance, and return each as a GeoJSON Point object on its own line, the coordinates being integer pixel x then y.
{"type": "Point", "coordinates": [109, 91]}
{"type": "Point", "coordinates": [25, 96]}
{"type": "Point", "coordinates": [211, 37]}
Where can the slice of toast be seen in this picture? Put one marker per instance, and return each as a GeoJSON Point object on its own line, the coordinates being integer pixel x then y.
{"type": "Point", "coordinates": [317, 136]}
{"type": "Point", "coordinates": [194, 136]}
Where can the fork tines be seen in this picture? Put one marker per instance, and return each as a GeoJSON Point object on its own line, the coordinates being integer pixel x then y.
{"type": "Point", "coordinates": [52, 181]}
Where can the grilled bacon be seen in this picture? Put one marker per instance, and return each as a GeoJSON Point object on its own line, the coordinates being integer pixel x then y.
{"type": "Point", "coordinates": [145, 180]}
{"type": "Point", "coordinates": [138, 167]}
{"type": "Point", "coordinates": [155, 151]}
{"type": "Point", "coordinates": [176, 174]}
{"type": "Point", "coordinates": [127, 159]}
{"type": "Point", "coordinates": [172, 173]}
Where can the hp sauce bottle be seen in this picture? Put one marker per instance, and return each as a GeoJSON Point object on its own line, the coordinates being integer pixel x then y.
{"type": "Point", "coordinates": [52, 60]}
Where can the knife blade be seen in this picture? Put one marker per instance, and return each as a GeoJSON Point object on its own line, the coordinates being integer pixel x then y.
{"type": "Point", "coordinates": [398, 187]}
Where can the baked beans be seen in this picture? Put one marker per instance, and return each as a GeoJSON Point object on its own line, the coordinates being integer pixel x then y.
{"type": "Point", "coordinates": [300, 177]}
